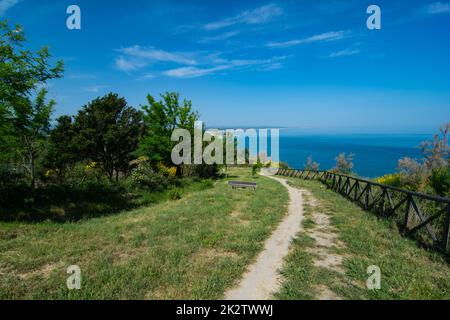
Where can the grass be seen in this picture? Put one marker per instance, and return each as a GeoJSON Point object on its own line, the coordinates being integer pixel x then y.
{"type": "Point", "coordinates": [407, 271]}
{"type": "Point", "coordinates": [68, 202]}
{"type": "Point", "coordinates": [191, 248]}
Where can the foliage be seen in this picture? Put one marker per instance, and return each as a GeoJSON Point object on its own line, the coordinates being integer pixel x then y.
{"type": "Point", "coordinates": [21, 73]}
{"type": "Point", "coordinates": [256, 168]}
{"type": "Point", "coordinates": [311, 164]}
{"type": "Point", "coordinates": [169, 172]}
{"type": "Point", "coordinates": [31, 122]}
{"type": "Point", "coordinates": [206, 184]}
{"type": "Point", "coordinates": [344, 163]}
{"type": "Point", "coordinates": [161, 118]}
{"type": "Point", "coordinates": [440, 181]}
{"type": "Point", "coordinates": [412, 174]}
{"type": "Point", "coordinates": [22, 70]}
{"type": "Point", "coordinates": [437, 151]}
{"type": "Point", "coordinates": [108, 132]}
{"type": "Point", "coordinates": [174, 194]}
{"type": "Point", "coordinates": [393, 180]}
{"type": "Point", "coordinates": [145, 177]}
{"type": "Point", "coordinates": [61, 151]}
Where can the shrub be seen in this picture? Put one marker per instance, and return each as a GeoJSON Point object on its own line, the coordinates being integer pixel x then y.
{"type": "Point", "coordinates": [311, 164]}
{"type": "Point", "coordinates": [174, 194]}
{"type": "Point", "coordinates": [143, 176]}
{"type": "Point", "coordinates": [203, 171]}
{"type": "Point", "coordinates": [440, 181]}
{"type": "Point", "coordinates": [256, 167]}
{"type": "Point", "coordinates": [412, 174]}
{"type": "Point", "coordinates": [344, 163]}
{"type": "Point", "coordinates": [10, 177]}
{"type": "Point", "coordinates": [390, 180]}
{"type": "Point", "coordinates": [206, 184]}
{"type": "Point", "coordinates": [167, 171]}
{"type": "Point", "coordinates": [437, 151]}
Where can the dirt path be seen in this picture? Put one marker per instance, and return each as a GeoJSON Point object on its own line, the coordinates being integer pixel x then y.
{"type": "Point", "coordinates": [326, 239]}
{"type": "Point", "coordinates": [262, 279]}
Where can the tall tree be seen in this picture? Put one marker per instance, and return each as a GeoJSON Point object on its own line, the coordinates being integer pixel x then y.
{"type": "Point", "coordinates": [31, 125]}
{"type": "Point", "coordinates": [21, 72]}
{"type": "Point", "coordinates": [107, 132]}
{"type": "Point", "coordinates": [161, 118]}
{"type": "Point", "coordinates": [62, 153]}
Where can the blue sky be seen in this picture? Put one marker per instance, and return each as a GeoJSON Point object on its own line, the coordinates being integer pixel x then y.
{"type": "Point", "coordinates": [308, 64]}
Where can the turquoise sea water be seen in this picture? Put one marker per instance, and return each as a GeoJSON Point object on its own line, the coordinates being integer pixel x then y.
{"type": "Point", "coordinates": [375, 154]}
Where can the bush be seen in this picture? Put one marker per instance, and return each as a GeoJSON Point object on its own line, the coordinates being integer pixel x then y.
{"type": "Point", "coordinates": [390, 180]}
{"type": "Point", "coordinates": [344, 163]}
{"type": "Point", "coordinates": [10, 177]}
{"type": "Point", "coordinates": [144, 177]}
{"type": "Point", "coordinates": [174, 194]}
{"type": "Point", "coordinates": [204, 171]}
{"type": "Point", "coordinates": [256, 168]}
{"type": "Point", "coordinates": [440, 181]}
{"type": "Point", "coordinates": [206, 184]}
{"type": "Point", "coordinates": [413, 174]}
{"type": "Point", "coordinates": [311, 164]}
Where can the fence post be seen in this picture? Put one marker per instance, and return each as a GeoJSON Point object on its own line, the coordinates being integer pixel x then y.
{"type": "Point", "coordinates": [366, 202]}
{"type": "Point", "coordinates": [446, 239]}
{"type": "Point", "coordinates": [408, 209]}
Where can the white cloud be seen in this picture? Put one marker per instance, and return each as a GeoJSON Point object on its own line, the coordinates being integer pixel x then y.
{"type": "Point", "coordinates": [327, 36]}
{"type": "Point", "coordinates": [437, 7]}
{"type": "Point", "coordinates": [95, 88]}
{"type": "Point", "coordinates": [259, 15]}
{"type": "Point", "coordinates": [192, 72]}
{"type": "Point", "coordinates": [220, 37]}
{"type": "Point", "coordinates": [128, 64]}
{"type": "Point", "coordinates": [343, 53]}
{"type": "Point", "coordinates": [7, 4]}
{"type": "Point", "coordinates": [151, 53]}
{"type": "Point", "coordinates": [137, 57]}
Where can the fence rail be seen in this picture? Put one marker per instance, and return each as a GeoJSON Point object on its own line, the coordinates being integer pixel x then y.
{"type": "Point", "coordinates": [422, 216]}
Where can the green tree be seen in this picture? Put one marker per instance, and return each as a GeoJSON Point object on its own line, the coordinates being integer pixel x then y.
{"type": "Point", "coordinates": [161, 118]}
{"type": "Point", "coordinates": [61, 152]}
{"type": "Point", "coordinates": [108, 132]}
{"type": "Point", "coordinates": [21, 71]}
{"type": "Point", "coordinates": [31, 125]}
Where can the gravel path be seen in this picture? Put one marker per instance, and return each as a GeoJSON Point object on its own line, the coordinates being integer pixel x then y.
{"type": "Point", "coordinates": [262, 279]}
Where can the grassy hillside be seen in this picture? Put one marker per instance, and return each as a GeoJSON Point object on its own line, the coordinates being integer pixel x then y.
{"type": "Point", "coordinates": [407, 271]}
{"type": "Point", "coordinates": [192, 248]}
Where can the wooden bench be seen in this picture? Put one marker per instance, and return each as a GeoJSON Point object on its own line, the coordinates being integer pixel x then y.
{"type": "Point", "coordinates": [240, 184]}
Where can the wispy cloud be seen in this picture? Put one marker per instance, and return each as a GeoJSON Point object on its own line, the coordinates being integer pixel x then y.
{"type": "Point", "coordinates": [193, 72]}
{"type": "Point", "coordinates": [327, 36]}
{"type": "Point", "coordinates": [219, 37]}
{"type": "Point", "coordinates": [151, 53]}
{"type": "Point", "coordinates": [124, 64]}
{"type": "Point", "coordinates": [5, 5]}
{"type": "Point", "coordinates": [94, 88]}
{"type": "Point", "coordinates": [437, 8]}
{"type": "Point", "coordinates": [137, 57]}
{"type": "Point", "coordinates": [259, 15]}
{"type": "Point", "coordinates": [343, 53]}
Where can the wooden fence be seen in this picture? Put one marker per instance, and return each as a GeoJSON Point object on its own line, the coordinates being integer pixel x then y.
{"type": "Point", "coordinates": [422, 216]}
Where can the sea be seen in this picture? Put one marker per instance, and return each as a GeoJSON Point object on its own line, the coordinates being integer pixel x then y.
{"type": "Point", "coordinates": [374, 154]}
